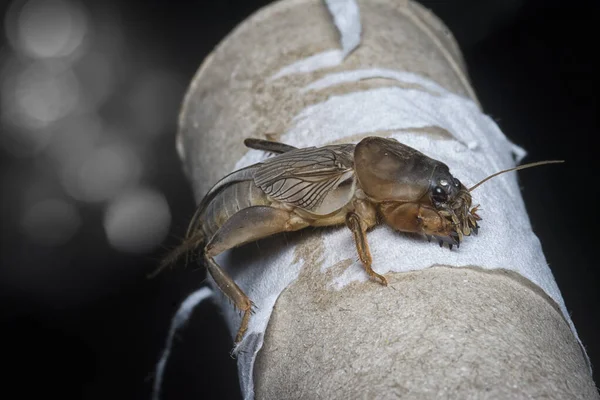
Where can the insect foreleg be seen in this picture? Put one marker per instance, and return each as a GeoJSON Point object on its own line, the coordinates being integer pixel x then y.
{"type": "Point", "coordinates": [267, 145]}
{"type": "Point", "coordinates": [362, 246]}
{"type": "Point", "coordinates": [414, 217]}
{"type": "Point", "coordinates": [247, 225]}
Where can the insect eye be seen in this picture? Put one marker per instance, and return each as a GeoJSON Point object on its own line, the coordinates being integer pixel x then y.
{"type": "Point", "coordinates": [439, 195]}
{"type": "Point", "coordinates": [456, 183]}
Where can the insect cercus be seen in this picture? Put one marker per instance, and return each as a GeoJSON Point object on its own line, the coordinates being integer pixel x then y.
{"type": "Point", "coordinates": [378, 180]}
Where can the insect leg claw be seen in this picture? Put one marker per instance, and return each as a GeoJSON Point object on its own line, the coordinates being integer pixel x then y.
{"type": "Point", "coordinates": [382, 279]}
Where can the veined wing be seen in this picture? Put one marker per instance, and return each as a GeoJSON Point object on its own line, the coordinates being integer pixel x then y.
{"type": "Point", "coordinates": [319, 180]}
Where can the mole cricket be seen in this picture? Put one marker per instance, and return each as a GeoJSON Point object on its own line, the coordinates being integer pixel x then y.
{"type": "Point", "coordinates": [377, 181]}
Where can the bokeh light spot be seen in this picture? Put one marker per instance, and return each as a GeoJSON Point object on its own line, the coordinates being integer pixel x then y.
{"type": "Point", "coordinates": [103, 174]}
{"type": "Point", "coordinates": [34, 96]}
{"type": "Point", "coordinates": [137, 221]}
{"type": "Point", "coordinates": [46, 28]}
{"type": "Point", "coordinates": [44, 93]}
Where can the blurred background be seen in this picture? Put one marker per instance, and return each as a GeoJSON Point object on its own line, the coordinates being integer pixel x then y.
{"type": "Point", "coordinates": [92, 192]}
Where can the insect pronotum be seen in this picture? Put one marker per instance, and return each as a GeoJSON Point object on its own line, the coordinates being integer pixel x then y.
{"type": "Point", "coordinates": [376, 181]}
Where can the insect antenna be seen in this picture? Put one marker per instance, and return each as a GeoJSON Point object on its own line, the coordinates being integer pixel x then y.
{"type": "Point", "coordinates": [534, 164]}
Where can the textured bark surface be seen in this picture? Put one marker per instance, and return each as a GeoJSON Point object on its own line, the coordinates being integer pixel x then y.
{"type": "Point", "coordinates": [437, 333]}
{"type": "Point", "coordinates": [460, 333]}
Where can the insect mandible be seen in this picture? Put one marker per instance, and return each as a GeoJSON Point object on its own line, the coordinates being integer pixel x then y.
{"type": "Point", "coordinates": [378, 180]}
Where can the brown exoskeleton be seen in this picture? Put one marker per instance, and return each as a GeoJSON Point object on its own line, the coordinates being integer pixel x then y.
{"type": "Point", "coordinates": [378, 180]}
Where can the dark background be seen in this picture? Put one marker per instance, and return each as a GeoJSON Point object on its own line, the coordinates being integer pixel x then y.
{"type": "Point", "coordinates": [80, 320]}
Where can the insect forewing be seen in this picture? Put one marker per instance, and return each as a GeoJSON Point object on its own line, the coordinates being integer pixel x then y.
{"type": "Point", "coordinates": [318, 180]}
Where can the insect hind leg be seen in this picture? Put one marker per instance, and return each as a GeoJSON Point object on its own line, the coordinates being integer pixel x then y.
{"type": "Point", "coordinates": [247, 225]}
{"type": "Point", "coordinates": [233, 292]}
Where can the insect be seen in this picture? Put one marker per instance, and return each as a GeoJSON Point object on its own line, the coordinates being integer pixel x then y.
{"type": "Point", "coordinates": [378, 180]}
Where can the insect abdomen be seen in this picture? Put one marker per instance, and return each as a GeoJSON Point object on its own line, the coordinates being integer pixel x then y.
{"type": "Point", "coordinates": [230, 200]}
